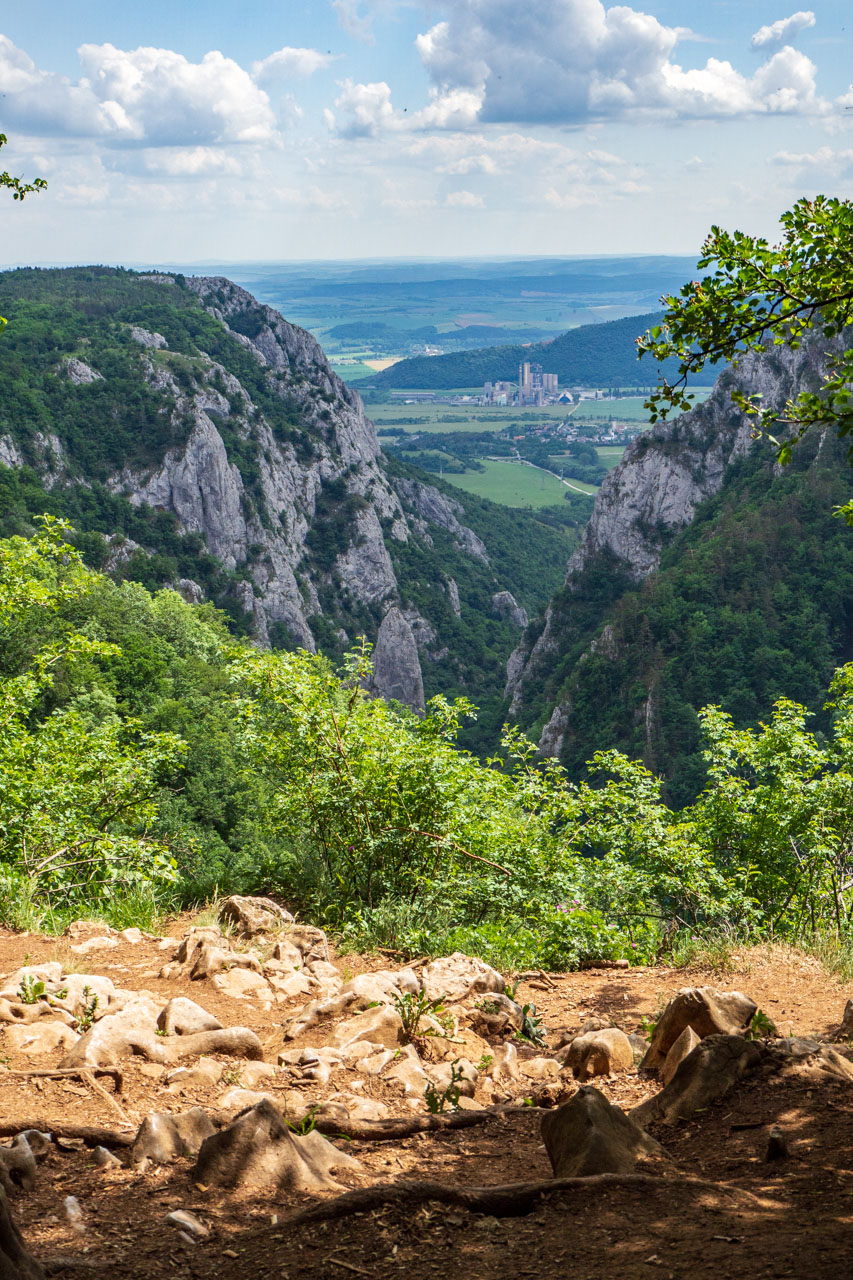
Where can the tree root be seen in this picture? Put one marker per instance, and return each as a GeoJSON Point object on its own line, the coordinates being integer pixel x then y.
{"type": "Point", "coordinates": [397, 1129]}
{"type": "Point", "coordinates": [59, 1073]}
{"type": "Point", "coordinates": [512, 1200]}
{"type": "Point", "coordinates": [92, 1135]}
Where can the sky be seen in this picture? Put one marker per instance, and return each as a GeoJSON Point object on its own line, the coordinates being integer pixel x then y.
{"type": "Point", "coordinates": [281, 130]}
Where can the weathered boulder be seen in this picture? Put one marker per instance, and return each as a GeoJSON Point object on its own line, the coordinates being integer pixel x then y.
{"type": "Point", "coordinates": [310, 942]}
{"type": "Point", "coordinates": [806, 1058]}
{"type": "Point", "coordinates": [539, 1068]}
{"type": "Point", "coordinates": [684, 1045]}
{"type": "Point", "coordinates": [396, 666]}
{"type": "Point", "coordinates": [382, 1025]}
{"type": "Point", "coordinates": [260, 1150]}
{"type": "Point", "coordinates": [455, 977]}
{"type": "Point", "coordinates": [707, 1011]}
{"type": "Point", "coordinates": [133, 1031]}
{"type": "Point", "coordinates": [183, 1017]}
{"type": "Point", "coordinates": [18, 1165]}
{"type": "Point", "coordinates": [504, 1064]}
{"type": "Point", "coordinates": [705, 1075]}
{"type": "Point", "coordinates": [243, 984]}
{"type": "Point", "coordinates": [466, 1074]}
{"type": "Point", "coordinates": [39, 1037]}
{"type": "Point", "coordinates": [162, 1138]}
{"type": "Point", "coordinates": [588, 1135]}
{"type": "Point", "coordinates": [253, 916]}
{"type": "Point", "coordinates": [598, 1053]}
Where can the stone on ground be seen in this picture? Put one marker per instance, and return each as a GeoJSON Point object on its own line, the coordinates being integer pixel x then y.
{"type": "Point", "coordinates": [183, 1017]}
{"type": "Point", "coordinates": [454, 978]}
{"type": "Point", "coordinates": [260, 1150]}
{"type": "Point", "coordinates": [162, 1138]}
{"type": "Point", "coordinates": [39, 1037]}
{"type": "Point", "coordinates": [707, 1011]}
{"type": "Point", "coordinates": [588, 1135]}
{"type": "Point", "coordinates": [684, 1045]}
{"type": "Point", "coordinates": [380, 1026]}
{"type": "Point", "coordinates": [253, 916]}
{"type": "Point", "coordinates": [705, 1075]}
{"type": "Point", "coordinates": [599, 1053]}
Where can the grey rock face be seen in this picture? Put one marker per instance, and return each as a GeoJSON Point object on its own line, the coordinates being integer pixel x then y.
{"type": "Point", "coordinates": [146, 338]}
{"type": "Point", "coordinates": [434, 508]}
{"type": "Point", "coordinates": [505, 605]}
{"type": "Point", "coordinates": [656, 488]}
{"type": "Point", "coordinates": [79, 372]}
{"type": "Point", "coordinates": [396, 667]}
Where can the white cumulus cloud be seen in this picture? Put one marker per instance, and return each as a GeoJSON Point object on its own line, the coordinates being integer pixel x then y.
{"type": "Point", "coordinates": [366, 110]}
{"type": "Point", "coordinates": [145, 96]}
{"type": "Point", "coordinates": [291, 64]}
{"type": "Point", "coordinates": [569, 61]}
{"type": "Point", "coordinates": [779, 33]}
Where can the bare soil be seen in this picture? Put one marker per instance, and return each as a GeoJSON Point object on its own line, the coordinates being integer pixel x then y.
{"type": "Point", "coordinates": [793, 1217]}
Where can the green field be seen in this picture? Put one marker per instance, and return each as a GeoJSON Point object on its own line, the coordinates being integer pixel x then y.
{"type": "Point", "coordinates": [610, 455]}
{"type": "Point", "coordinates": [428, 417]}
{"type": "Point", "coordinates": [515, 485]}
{"type": "Point", "coordinates": [624, 409]}
{"type": "Point", "coordinates": [351, 372]}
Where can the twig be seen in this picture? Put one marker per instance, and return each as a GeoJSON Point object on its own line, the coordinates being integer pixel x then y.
{"type": "Point", "coordinates": [88, 1078]}
{"type": "Point", "coordinates": [60, 1073]}
{"type": "Point", "coordinates": [511, 1200]}
{"type": "Point", "coordinates": [350, 1266]}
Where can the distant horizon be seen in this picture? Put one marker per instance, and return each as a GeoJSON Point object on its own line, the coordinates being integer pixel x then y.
{"type": "Point", "coordinates": [365, 131]}
{"type": "Point", "coordinates": [370, 260]}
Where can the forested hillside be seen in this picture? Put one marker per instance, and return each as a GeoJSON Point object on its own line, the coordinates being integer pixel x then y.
{"type": "Point", "coordinates": [193, 438]}
{"type": "Point", "coordinates": [708, 574]}
{"type": "Point", "coordinates": [594, 355]}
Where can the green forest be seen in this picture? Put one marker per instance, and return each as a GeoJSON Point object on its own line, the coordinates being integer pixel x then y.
{"type": "Point", "coordinates": [593, 355]}
{"type": "Point", "coordinates": [148, 759]}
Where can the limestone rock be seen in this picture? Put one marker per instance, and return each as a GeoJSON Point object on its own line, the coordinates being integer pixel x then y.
{"type": "Point", "coordinates": [441, 1076]}
{"type": "Point", "coordinates": [380, 1026]}
{"type": "Point", "coordinates": [541, 1068]}
{"type": "Point", "coordinates": [243, 983]}
{"type": "Point", "coordinates": [258, 1150]}
{"type": "Point", "coordinates": [182, 1017]}
{"type": "Point", "coordinates": [18, 1165]}
{"type": "Point", "coordinates": [40, 1037]}
{"type": "Point", "coordinates": [505, 605]}
{"type": "Point", "coordinates": [599, 1053]}
{"type": "Point", "coordinates": [588, 1135]}
{"type": "Point", "coordinates": [504, 1064]}
{"type": "Point", "coordinates": [162, 1138]}
{"type": "Point", "coordinates": [716, 1064]}
{"type": "Point", "coordinates": [455, 977]}
{"type": "Point", "coordinates": [396, 665]}
{"type": "Point", "coordinates": [707, 1011]}
{"type": "Point", "coordinates": [684, 1045]}
{"type": "Point", "coordinates": [310, 942]}
{"type": "Point", "coordinates": [133, 1031]}
{"type": "Point", "coordinates": [806, 1058]}
{"type": "Point", "coordinates": [253, 916]}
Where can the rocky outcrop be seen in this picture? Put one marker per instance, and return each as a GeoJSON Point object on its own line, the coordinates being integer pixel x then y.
{"type": "Point", "coordinates": [654, 492]}
{"type": "Point", "coordinates": [396, 667]}
{"type": "Point", "coordinates": [505, 605]}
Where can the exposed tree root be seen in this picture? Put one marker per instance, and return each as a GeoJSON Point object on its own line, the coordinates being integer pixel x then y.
{"type": "Point", "coordinates": [90, 1134]}
{"type": "Point", "coordinates": [396, 1129]}
{"type": "Point", "coordinates": [511, 1200]}
{"type": "Point", "coordinates": [59, 1073]}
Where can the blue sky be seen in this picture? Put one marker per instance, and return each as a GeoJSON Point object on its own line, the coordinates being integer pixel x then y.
{"type": "Point", "coordinates": [355, 128]}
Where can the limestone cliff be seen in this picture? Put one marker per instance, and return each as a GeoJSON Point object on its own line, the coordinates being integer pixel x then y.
{"type": "Point", "coordinates": [655, 491]}
{"type": "Point", "coordinates": [216, 420]}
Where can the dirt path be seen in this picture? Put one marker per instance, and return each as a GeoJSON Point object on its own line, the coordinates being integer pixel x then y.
{"type": "Point", "coordinates": [796, 1220]}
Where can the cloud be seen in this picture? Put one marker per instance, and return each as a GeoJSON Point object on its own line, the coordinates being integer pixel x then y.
{"type": "Point", "coordinates": [353, 21]}
{"type": "Point", "coordinates": [571, 61]}
{"type": "Point", "coordinates": [366, 108]}
{"type": "Point", "coordinates": [145, 96]}
{"type": "Point", "coordinates": [291, 64]}
{"type": "Point", "coordinates": [779, 33]}
{"type": "Point", "coordinates": [464, 200]}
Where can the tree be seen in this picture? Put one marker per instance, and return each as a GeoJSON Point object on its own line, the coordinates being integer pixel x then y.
{"type": "Point", "coordinates": [19, 189]}
{"type": "Point", "coordinates": [758, 295]}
